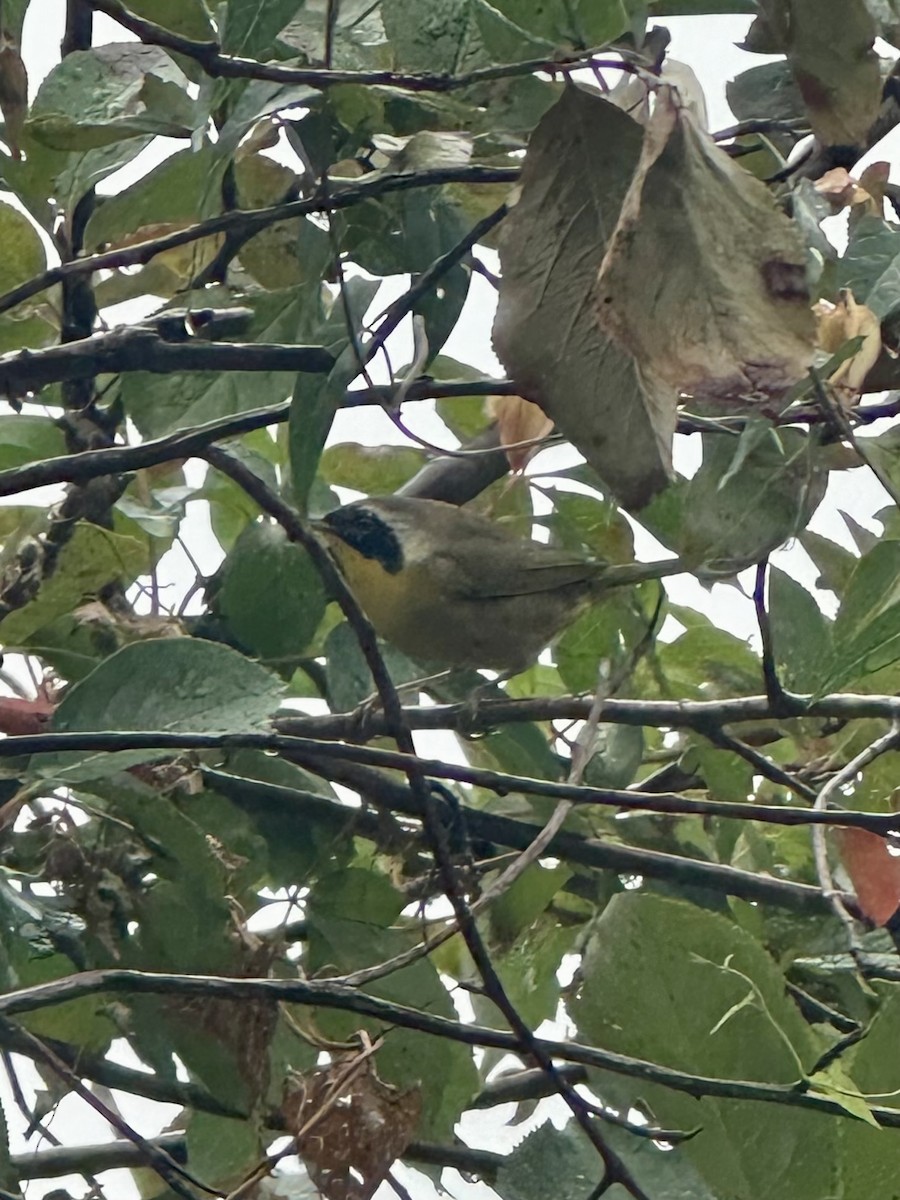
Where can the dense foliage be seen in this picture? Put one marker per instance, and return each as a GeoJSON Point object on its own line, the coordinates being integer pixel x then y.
{"type": "Point", "coordinates": [671, 844]}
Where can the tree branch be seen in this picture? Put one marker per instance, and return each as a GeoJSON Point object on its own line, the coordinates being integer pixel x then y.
{"type": "Point", "coordinates": [390, 795]}
{"type": "Point", "coordinates": [330, 995]}
{"type": "Point", "coordinates": [248, 221]}
{"type": "Point", "coordinates": [669, 714]}
{"type": "Point", "coordinates": [209, 56]}
{"type": "Point", "coordinates": [141, 349]}
{"type": "Point", "coordinates": [305, 749]}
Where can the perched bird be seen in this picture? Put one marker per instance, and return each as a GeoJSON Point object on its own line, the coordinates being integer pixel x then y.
{"type": "Point", "coordinates": [450, 586]}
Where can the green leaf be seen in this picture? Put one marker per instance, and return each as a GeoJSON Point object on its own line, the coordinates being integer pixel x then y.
{"type": "Point", "coordinates": [316, 398]}
{"type": "Point", "coordinates": [121, 90]}
{"type": "Point", "coordinates": [185, 188]}
{"type": "Point", "coordinates": [731, 516]}
{"type": "Point", "coordinates": [577, 25]}
{"type": "Point", "coordinates": [440, 308]}
{"type": "Point", "coordinates": [546, 331]}
{"type": "Point", "coordinates": [230, 508]}
{"type": "Point", "coordinates": [872, 247]}
{"type": "Point", "coordinates": [223, 1151]}
{"type": "Point", "coordinates": [14, 16]}
{"type": "Point", "coordinates": [47, 175]}
{"type": "Point", "coordinates": [90, 560]}
{"type": "Point", "coordinates": [298, 836]}
{"type": "Point", "coordinates": [801, 633]}
{"type": "Point", "coordinates": [271, 596]}
{"type": "Point", "coordinates": [160, 404]}
{"type": "Point", "coordinates": [834, 562]}
{"type": "Point", "coordinates": [464, 416]}
{"type": "Point", "coordinates": [867, 628]}
{"type": "Point", "coordinates": [617, 757]}
{"type": "Point", "coordinates": [765, 92]}
{"type": "Point", "coordinates": [705, 658]}
{"type": "Point", "coordinates": [606, 633]}
{"type": "Point", "coordinates": [836, 1085]}
{"type": "Point", "coordinates": [375, 470]}
{"type": "Point", "coordinates": [632, 1012]}
{"type": "Point", "coordinates": [23, 255]}
{"type": "Point", "coordinates": [549, 1162]}
{"type": "Point", "coordinates": [190, 18]}
{"type": "Point", "coordinates": [200, 687]}
{"type": "Point", "coordinates": [250, 27]}
{"type": "Point", "coordinates": [25, 438]}
{"type": "Point", "coordinates": [403, 231]}
{"type": "Point", "coordinates": [25, 328]}
{"type": "Point", "coordinates": [439, 36]}
{"type": "Point", "coordinates": [727, 776]}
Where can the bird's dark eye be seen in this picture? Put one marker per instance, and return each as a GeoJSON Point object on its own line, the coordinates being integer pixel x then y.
{"type": "Point", "coordinates": [367, 533]}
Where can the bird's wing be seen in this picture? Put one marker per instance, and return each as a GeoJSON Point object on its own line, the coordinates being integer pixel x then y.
{"type": "Point", "coordinates": [528, 573]}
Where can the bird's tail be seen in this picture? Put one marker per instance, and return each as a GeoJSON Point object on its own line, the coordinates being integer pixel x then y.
{"type": "Point", "coordinates": [614, 575]}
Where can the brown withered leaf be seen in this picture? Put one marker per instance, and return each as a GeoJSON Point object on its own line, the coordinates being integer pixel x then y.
{"type": "Point", "coordinates": [865, 194]}
{"type": "Point", "coordinates": [576, 173]}
{"type": "Point", "coordinates": [13, 91]}
{"type": "Point", "coordinates": [829, 46]}
{"type": "Point", "coordinates": [518, 420]}
{"type": "Point", "coordinates": [364, 1126]}
{"type": "Point", "coordinates": [837, 324]}
{"type": "Point", "coordinates": [703, 281]}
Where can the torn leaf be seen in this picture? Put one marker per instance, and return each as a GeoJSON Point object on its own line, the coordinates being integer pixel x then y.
{"type": "Point", "coordinates": [728, 318]}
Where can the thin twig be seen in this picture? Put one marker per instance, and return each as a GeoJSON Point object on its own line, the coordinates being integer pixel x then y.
{"type": "Point", "coordinates": [248, 221]}
{"type": "Point", "coordinates": [780, 701]}
{"type": "Point", "coordinates": [760, 763]}
{"type": "Point", "coordinates": [156, 1158]}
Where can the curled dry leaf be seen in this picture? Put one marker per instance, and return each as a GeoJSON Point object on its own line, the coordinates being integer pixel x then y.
{"type": "Point", "coordinates": [837, 324]}
{"type": "Point", "coordinates": [518, 421]}
{"type": "Point", "coordinates": [576, 172]}
{"type": "Point", "coordinates": [730, 315]}
{"type": "Point", "coordinates": [350, 1126]}
{"type": "Point", "coordinates": [13, 92]}
{"type": "Point", "coordinates": [866, 194]}
{"type": "Point", "coordinates": [874, 872]}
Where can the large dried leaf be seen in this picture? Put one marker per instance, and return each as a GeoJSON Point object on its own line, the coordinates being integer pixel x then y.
{"type": "Point", "coordinates": [579, 164]}
{"type": "Point", "coordinates": [828, 44]}
{"type": "Point", "coordinates": [703, 281]}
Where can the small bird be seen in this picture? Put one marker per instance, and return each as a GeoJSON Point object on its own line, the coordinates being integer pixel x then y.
{"type": "Point", "coordinates": [449, 586]}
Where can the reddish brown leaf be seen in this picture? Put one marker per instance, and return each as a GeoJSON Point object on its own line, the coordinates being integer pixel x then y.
{"type": "Point", "coordinates": [24, 716]}
{"type": "Point", "coordinates": [874, 871]}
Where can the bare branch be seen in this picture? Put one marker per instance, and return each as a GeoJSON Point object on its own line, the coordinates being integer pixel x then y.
{"type": "Point", "coordinates": [227, 66]}
{"type": "Point", "coordinates": [141, 349]}
{"type": "Point", "coordinates": [330, 995]}
{"type": "Point", "coordinates": [248, 221]}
